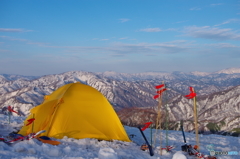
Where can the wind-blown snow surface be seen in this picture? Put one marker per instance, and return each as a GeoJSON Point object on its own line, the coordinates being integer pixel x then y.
{"type": "Point", "coordinates": [94, 149]}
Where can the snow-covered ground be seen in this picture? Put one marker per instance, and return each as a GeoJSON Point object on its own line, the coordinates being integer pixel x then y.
{"type": "Point", "coordinates": [94, 149]}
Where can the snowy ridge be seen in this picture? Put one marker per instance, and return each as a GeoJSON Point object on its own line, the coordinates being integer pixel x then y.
{"type": "Point", "coordinates": [221, 108]}
{"type": "Point", "coordinates": [136, 90]}
{"type": "Point", "coordinates": [119, 93]}
{"type": "Point", "coordinates": [196, 73]}
{"type": "Point", "coordinates": [166, 75]}
{"type": "Point", "coordinates": [15, 77]}
{"type": "Point", "coordinates": [230, 71]}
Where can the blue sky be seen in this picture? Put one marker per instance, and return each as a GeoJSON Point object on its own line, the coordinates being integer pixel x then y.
{"type": "Point", "coordinates": [40, 37]}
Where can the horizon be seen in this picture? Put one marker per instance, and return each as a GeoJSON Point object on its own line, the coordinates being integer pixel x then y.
{"type": "Point", "coordinates": [121, 72]}
{"type": "Point", "coordinates": [45, 37]}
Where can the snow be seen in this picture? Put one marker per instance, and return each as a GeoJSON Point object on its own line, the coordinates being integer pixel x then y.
{"type": "Point", "coordinates": [94, 149]}
{"type": "Point", "coordinates": [229, 71]}
{"type": "Point", "coordinates": [197, 73]}
{"type": "Point", "coordinates": [107, 153]}
{"type": "Point", "coordinates": [179, 155]}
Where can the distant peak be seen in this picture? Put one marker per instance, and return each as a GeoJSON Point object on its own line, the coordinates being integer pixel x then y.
{"type": "Point", "coordinates": [109, 73]}
{"type": "Point", "coordinates": [197, 73]}
{"type": "Point", "coordinates": [229, 71]}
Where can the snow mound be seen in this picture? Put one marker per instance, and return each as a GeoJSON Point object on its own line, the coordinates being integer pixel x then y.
{"type": "Point", "coordinates": [179, 155]}
{"type": "Point", "coordinates": [107, 153]}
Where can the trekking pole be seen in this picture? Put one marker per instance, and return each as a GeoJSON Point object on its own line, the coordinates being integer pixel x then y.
{"type": "Point", "coordinates": [184, 147]}
{"type": "Point", "coordinates": [151, 135]}
{"type": "Point", "coordinates": [149, 146]}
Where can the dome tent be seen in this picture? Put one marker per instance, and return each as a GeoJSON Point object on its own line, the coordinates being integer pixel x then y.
{"type": "Point", "coordinates": [77, 111]}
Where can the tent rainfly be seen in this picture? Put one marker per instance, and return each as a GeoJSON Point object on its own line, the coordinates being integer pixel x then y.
{"type": "Point", "coordinates": [77, 111]}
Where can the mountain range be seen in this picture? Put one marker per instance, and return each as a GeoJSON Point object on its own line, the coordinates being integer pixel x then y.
{"type": "Point", "coordinates": [218, 95]}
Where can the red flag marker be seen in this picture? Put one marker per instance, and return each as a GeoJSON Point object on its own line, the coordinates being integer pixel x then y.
{"type": "Point", "coordinates": [162, 90]}
{"type": "Point", "coordinates": [192, 94]}
{"type": "Point", "coordinates": [146, 126]}
{"type": "Point", "coordinates": [10, 109]}
{"type": "Point", "coordinates": [156, 96]}
{"type": "Point", "coordinates": [30, 121]}
{"type": "Point", "coordinates": [159, 86]}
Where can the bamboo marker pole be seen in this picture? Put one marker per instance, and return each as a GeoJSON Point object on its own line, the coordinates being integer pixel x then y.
{"type": "Point", "coordinates": [160, 127]}
{"type": "Point", "coordinates": [158, 122]}
{"type": "Point", "coordinates": [167, 120]}
{"type": "Point", "coordinates": [33, 124]}
{"type": "Point", "coordinates": [196, 120]}
{"type": "Point", "coordinates": [9, 117]}
{"type": "Point", "coordinates": [167, 117]}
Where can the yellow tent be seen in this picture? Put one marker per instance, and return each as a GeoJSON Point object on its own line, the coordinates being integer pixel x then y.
{"type": "Point", "coordinates": [77, 111]}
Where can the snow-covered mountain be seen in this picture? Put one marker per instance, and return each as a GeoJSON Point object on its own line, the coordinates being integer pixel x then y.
{"type": "Point", "coordinates": [218, 92]}
{"type": "Point", "coordinates": [217, 112]}
{"type": "Point", "coordinates": [23, 94]}
{"type": "Point", "coordinates": [229, 71]}
{"type": "Point", "coordinates": [204, 82]}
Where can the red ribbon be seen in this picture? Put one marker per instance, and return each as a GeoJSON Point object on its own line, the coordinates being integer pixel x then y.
{"type": "Point", "coordinates": [192, 94]}
{"type": "Point", "coordinates": [146, 126]}
{"type": "Point", "coordinates": [10, 109]}
{"type": "Point", "coordinates": [159, 92]}
{"type": "Point", "coordinates": [156, 96]}
{"type": "Point", "coordinates": [159, 86]}
{"type": "Point", "coordinates": [162, 90]}
{"type": "Point", "coordinates": [30, 121]}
